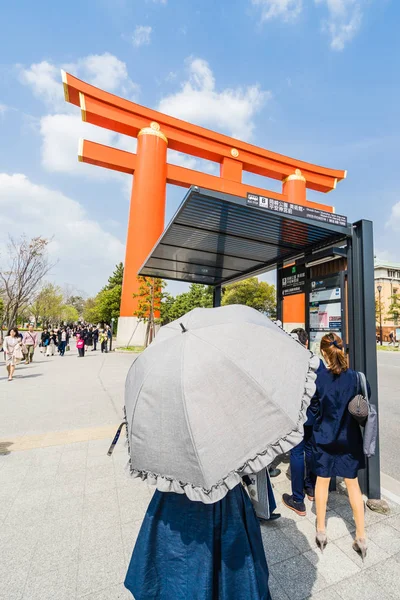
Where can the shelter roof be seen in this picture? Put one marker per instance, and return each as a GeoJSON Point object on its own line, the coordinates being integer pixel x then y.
{"type": "Point", "coordinates": [216, 238]}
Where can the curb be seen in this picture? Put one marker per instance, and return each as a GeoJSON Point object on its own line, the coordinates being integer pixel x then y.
{"type": "Point", "coordinates": [390, 488]}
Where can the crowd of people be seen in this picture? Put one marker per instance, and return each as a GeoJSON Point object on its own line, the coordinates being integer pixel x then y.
{"type": "Point", "coordinates": [20, 346]}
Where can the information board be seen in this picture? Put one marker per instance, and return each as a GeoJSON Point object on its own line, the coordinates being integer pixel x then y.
{"type": "Point", "coordinates": [296, 210]}
{"type": "Point", "coordinates": [293, 280]}
{"type": "Point", "coordinates": [325, 310]}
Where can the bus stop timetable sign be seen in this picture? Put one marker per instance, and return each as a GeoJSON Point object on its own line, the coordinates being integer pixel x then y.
{"type": "Point", "coordinates": [296, 210]}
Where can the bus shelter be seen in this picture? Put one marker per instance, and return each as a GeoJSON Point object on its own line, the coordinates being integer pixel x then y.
{"type": "Point", "coordinates": [217, 238]}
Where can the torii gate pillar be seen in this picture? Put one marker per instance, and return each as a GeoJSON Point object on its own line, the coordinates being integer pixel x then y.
{"type": "Point", "coordinates": [145, 224]}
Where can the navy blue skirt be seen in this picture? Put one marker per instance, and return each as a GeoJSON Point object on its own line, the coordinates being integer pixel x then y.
{"type": "Point", "coordinates": [193, 551]}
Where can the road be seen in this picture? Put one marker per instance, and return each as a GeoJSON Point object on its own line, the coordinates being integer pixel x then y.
{"type": "Point", "coordinates": [389, 404]}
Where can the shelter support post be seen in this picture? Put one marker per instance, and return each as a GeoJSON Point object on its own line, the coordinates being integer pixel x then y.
{"type": "Point", "coordinates": [362, 335]}
{"type": "Point", "coordinates": [217, 296]}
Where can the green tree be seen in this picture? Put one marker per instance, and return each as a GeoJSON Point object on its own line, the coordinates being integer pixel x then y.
{"type": "Point", "coordinates": [393, 313]}
{"type": "Point", "coordinates": [116, 278]}
{"type": "Point", "coordinates": [47, 307]}
{"type": "Point", "coordinates": [106, 305]}
{"type": "Point", "coordinates": [78, 302]}
{"type": "Point", "coordinates": [251, 292]}
{"type": "Point", "coordinates": [198, 296]}
{"type": "Point", "coordinates": [69, 313]}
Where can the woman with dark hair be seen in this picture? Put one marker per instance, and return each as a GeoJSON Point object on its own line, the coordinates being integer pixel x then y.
{"type": "Point", "coordinates": [12, 350]}
{"type": "Point", "coordinates": [337, 445]}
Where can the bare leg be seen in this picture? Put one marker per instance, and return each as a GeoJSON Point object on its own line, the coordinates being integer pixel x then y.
{"type": "Point", "coordinates": [321, 500]}
{"type": "Point", "coordinates": [12, 369]}
{"type": "Point", "coordinates": [357, 505]}
{"type": "Point", "coordinates": [8, 370]}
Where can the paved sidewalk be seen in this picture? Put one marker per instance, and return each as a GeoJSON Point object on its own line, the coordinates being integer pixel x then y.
{"type": "Point", "coordinates": [69, 515]}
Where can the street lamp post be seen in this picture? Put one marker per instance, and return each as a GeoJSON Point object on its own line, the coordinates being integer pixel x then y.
{"type": "Point", "coordinates": [112, 331]}
{"type": "Point", "coordinates": [379, 288]}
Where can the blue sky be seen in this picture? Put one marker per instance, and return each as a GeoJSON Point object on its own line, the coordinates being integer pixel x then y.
{"type": "Point", "coordinates": [313, 79]}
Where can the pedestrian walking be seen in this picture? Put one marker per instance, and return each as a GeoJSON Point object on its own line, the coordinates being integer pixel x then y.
{"type": "Point", "coordinates": [44, 340]}
{"type": "Point", "coordinates": [52, 345]}
{"type": "Point", "coordinates": [337, 445]}
{"type": "Point", "coordinates": [89, 338]}
{"type": "Point", "coordinates": [95, 337]}
{"type": "Point", "coordinates": [109, 337]}
{"type": "Point", "coordinates": [80, 344]}
{"type": "Point", "coordinates": [103, 340]}
{"type": "Point", "coordinates": [30, 341]}
{"type": "Point", "coordinates": [391, 338]}
{"type": "Point", "coordinates": [62, 341]}
{"type": "Point", "coordinates": [12, 351]}
{"type": "Point", "coordinates": [302, 477]}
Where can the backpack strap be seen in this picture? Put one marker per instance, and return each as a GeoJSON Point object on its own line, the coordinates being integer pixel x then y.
{"type": "Point", "coordinates": [362, 382]}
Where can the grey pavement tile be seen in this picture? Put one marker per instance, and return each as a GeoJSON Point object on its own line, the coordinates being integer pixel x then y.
{"type": "Point", "coordinates": [104, 571]}
{"type": "Point", "coordinates": [302, 534]}
{"type": "Point", "coordinates": [60, 556]}
{"type": "Point", "coordinates": [73, 466]}
{"type": "Point", "coordinates": [12, 583]}
{"type": "Point", "coordinates": [10, 487]}
{"type": "Point", "coordinates": [275, 589]}
{"type": "Point", "coordinates": [336, 526]}
{"type": "Point", "coordinates": [66, 508]}
{"type": "Point", "coordinates": [387, 577]}
{"type": "Point", "coordinates": [132, 510]}
{"type": "Point", "coordinates": [394, 522]}
{"type": "Point", "coordinates": [72, 478]}
{"type": "Point", "coordinates": [298, 578]}
{"type": "Point", "coordinates": [362, 587]}
{"type": "Point", "coordinates": [13, 473]}
{"type": "Point", "coordinates": [277, 546]}
{"type": "Point", "coordinates": [130, 532]}
{"type": "Point", "coordinates": [327, 594]}
{"type": "Point", "coordinates": [36, 497]}
{"type": "Point", "coordinates": [99, 461]}
{"type": "Point", "coordinates": [96, 541]}
{"type": "Point", "coordinates": [67, 490]}
{"type": "Point", "coordinates": [21, 517]}
{"type": "Point", "coordinates": [103, 484]}
{"type": "Point", "coordinates": [106, 470]}
{"type": "Point", "coordinates": [100, 447]}
{"type": "Point", "coordinates": [386, 537]}
{"type": "Point", "coordinates": [115, 592]}
{"type": "Point", "coordinates": [59, 584]}
{"type": "Point", "coordinates": [64, 533]}
{"type": "Point", "coordinates": [332, 564]}
{"type": "Point", "coordinates": [375, 554]}
{"type": "Point", "coordinates": [101, 518]}
{"type": "Point", "coordinates": [76, 447]}
{"type": "Point", "coordinates": [101, 498]}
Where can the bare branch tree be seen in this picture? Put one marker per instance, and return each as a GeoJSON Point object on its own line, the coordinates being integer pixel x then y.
{"type": "Point", "coordinates": [27, 266]}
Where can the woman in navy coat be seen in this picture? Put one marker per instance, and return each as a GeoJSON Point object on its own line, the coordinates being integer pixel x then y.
{"type": "Point", "coordinates": [337, 440]}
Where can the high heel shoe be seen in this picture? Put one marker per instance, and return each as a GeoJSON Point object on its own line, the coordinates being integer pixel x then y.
{"type": "Point", "coordinates": [360, 546]}
{"type": "Point", "coordinates": [321, 539]}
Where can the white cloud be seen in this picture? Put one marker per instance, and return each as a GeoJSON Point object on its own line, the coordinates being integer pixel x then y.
{"type": "Point", "coordinates": [86, 253]}
{"type": "Point", "coordinates": [102, 70]}
{"type": "Point", "coordinates": [198, 101]}
{"type": "Point", "coordinates": [141, 35]}
{"type": "Point", "coordinates": [394, 221]}
{"type": "Point", "coordinates": [62, 128]}
{"type": "Point", "coordinates": [288, 10]}
{"type": "Point", "coordinates": [343, 22]}
{"type": "Point", "coordinates": [3, 109]}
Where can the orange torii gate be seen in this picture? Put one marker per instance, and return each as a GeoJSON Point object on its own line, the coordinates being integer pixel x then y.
{"type": "Point", "coordinates": [155, 133]}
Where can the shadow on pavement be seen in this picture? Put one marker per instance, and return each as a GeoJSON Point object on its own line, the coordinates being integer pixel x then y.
{"type": "Point", "coordinates": [4, 448]}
